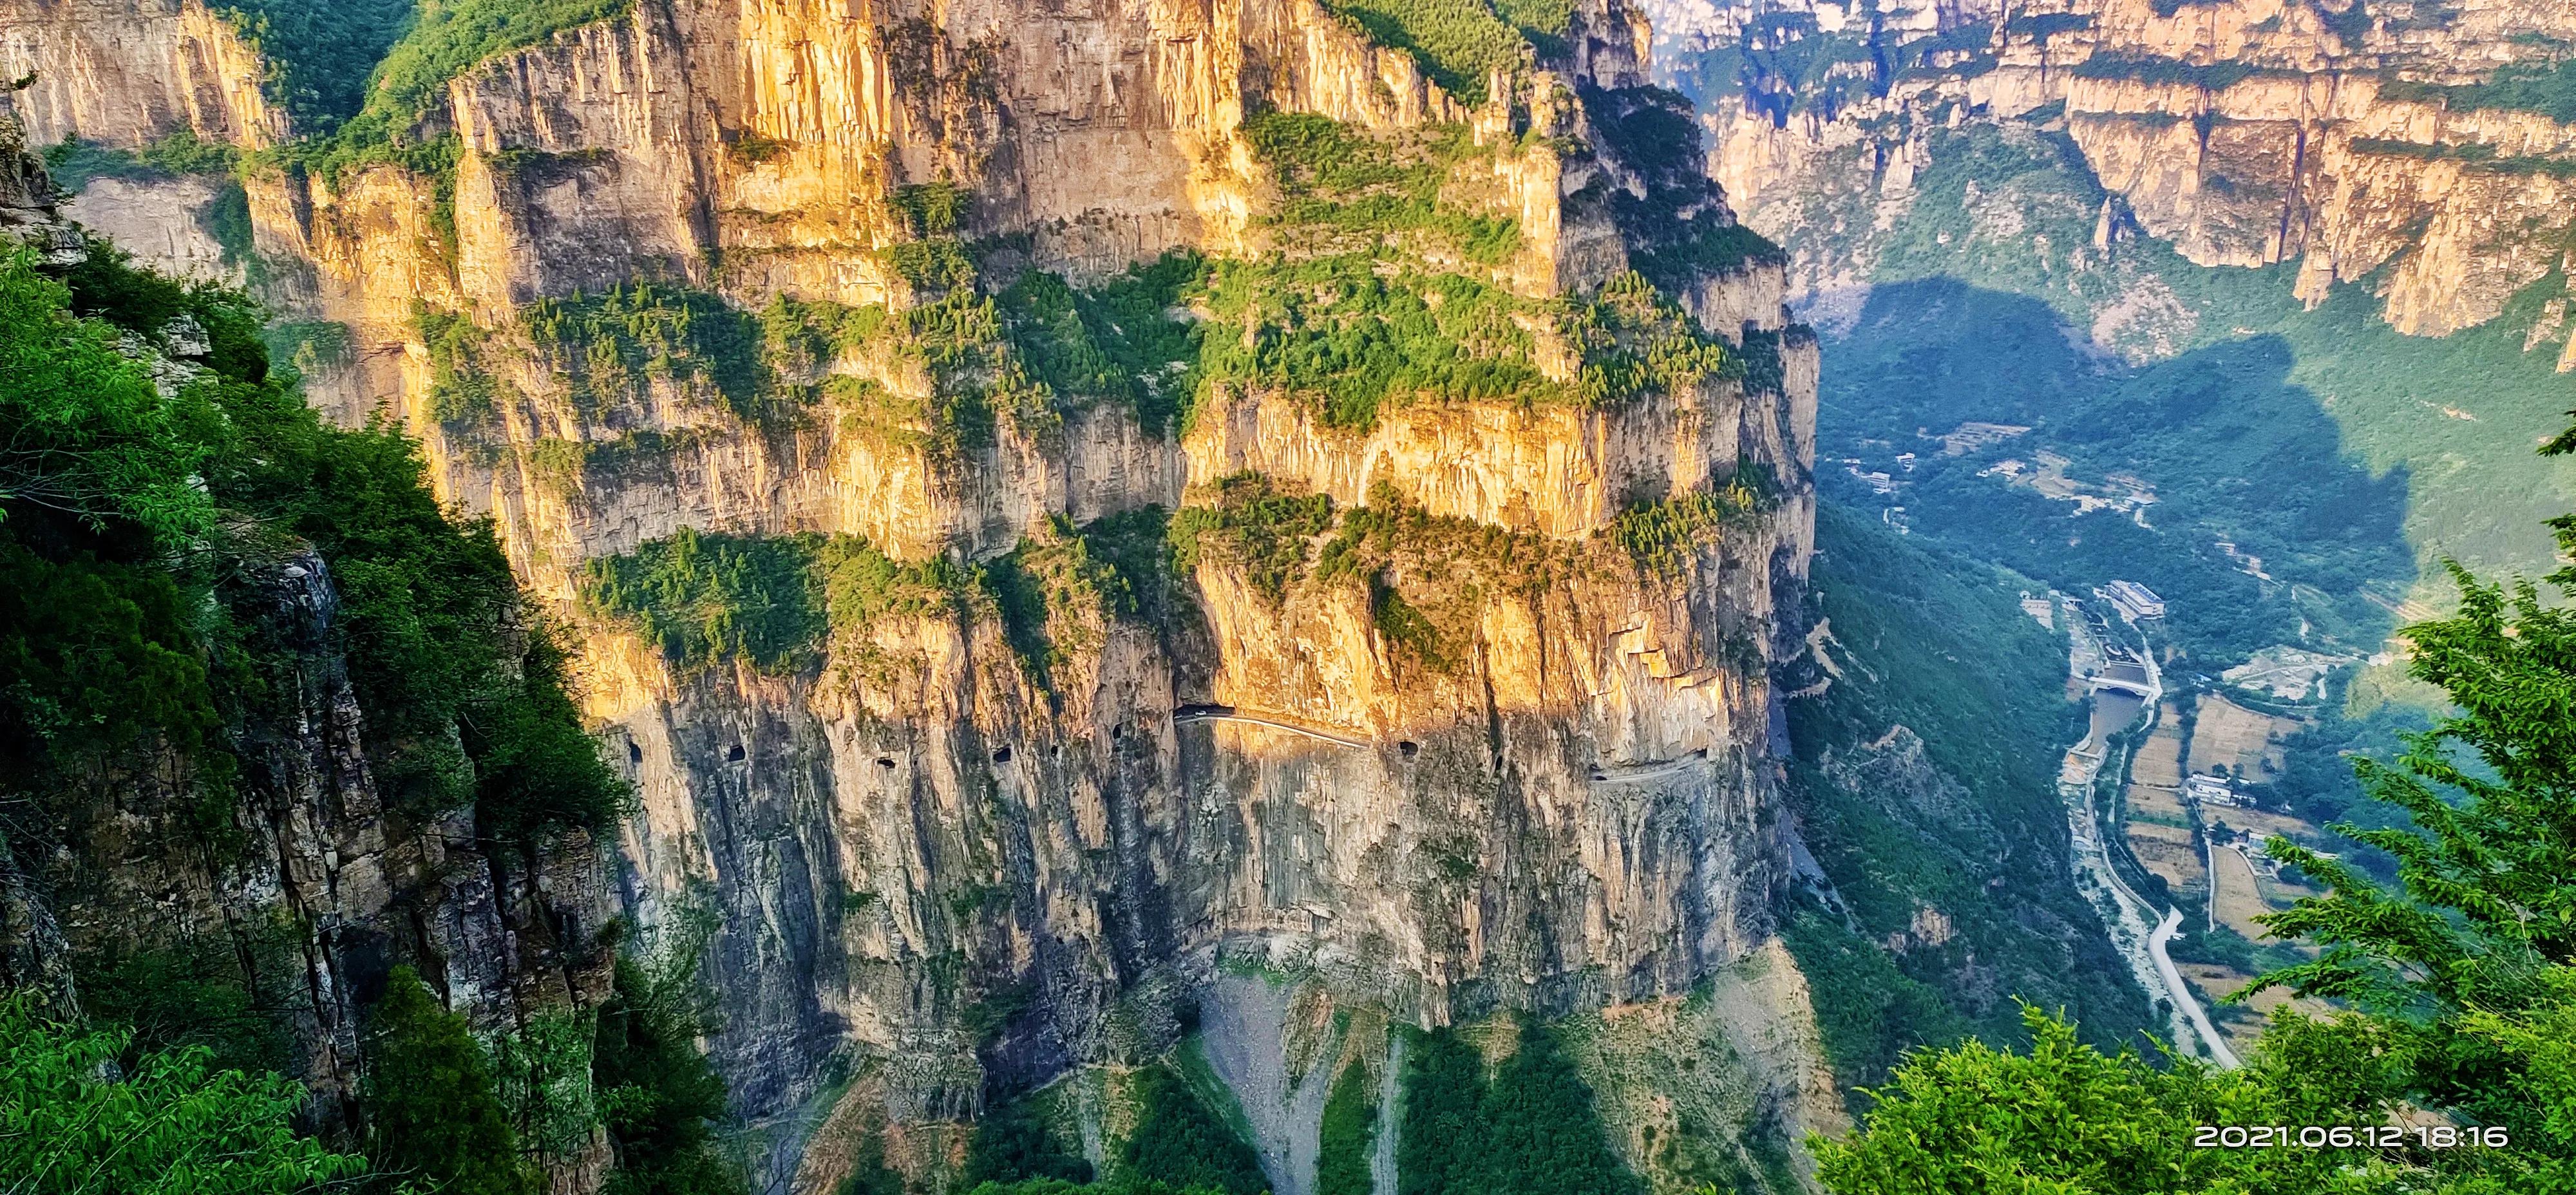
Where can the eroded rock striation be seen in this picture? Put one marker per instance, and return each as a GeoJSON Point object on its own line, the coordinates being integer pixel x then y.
{"type": "Point", "coordinates": [2425, 153]}
{"type": "Point", "coordinates": [1381, 578]}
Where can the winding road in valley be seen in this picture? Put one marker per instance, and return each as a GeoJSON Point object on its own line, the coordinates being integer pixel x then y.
{"type": "Point", "coordinates": [2183, 996]}
{"type": "Point", "coordinates": [2126, 902]}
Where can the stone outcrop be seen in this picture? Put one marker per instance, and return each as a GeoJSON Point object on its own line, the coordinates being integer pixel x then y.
{"type": "Point", "coordinates": [128, 72]}
{"type": "Point", "coordinates": [30, 205]}
{"type": "Point", "coordinates": [285, 870]}
{"type": "Point", "coordinates": [2246, 133]}
{"type": "Point", "coordinates": [322, 888]}
{"type": "Point", "coordinates": [928, 854]}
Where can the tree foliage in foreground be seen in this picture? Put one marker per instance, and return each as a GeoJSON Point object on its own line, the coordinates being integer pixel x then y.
{"type": "Point", "coordinates": [2459, 986]}
{"type": "Point", "coordinates": [72, 1120]}
{"type": "Point", "coordinates": [140, 522]}
{"type": "Point", "coordinates": [2067, 1117]}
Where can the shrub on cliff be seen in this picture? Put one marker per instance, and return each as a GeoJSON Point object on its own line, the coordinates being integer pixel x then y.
{"type": "Point", "coordinates": [430, 1107]}
{"type": "Point", "coordinates": [605, 345]}
{"type": "Point", "coordinates": [1114, 341]}
{"type": "Point", "coordinates": [1356, 343]}
{"type": "Point", "coordinates": [1456, 42]}
{"type": "Point", "coordinates": [1254, 525]}
{"type": "Point", "coordinates": [73, 162]}
{"type": "Point", "coordinates": [704, 597]}
{"type": "Point", "coordinates": [196, 991]}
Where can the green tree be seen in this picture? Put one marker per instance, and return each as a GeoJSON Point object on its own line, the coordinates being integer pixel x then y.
{"type": "Point", "coordinates": [137, 528]}
{"type": "Point", "coordinates": [1348, 1133]}
{"type": "Point", "coordinates": [1441, 1149]}
{"type": "Point", "coordinates": [706, 597]}
{"type": "Point", "coordinates": [869, 1174]}
{"type": "Point", "coordinates": [1012, 1143]}
{"type": "Point", "coordinates": [489, 725]}
{"type": "Point", "coordinates": [2489, 874]}
{"type": "Point", "coordinates": [91, 437]}
{"type": "Point", "coordinates": [2066, 1117]}
{"type": "Point", "coordinates": [193, 991]}
{"type": "Point", "coordinates": [430, 1106]}
{"type": "Point", "coordinates": [1181, 1141]}
{"type": "Point", "coordinates": [73, 1121]}
{"type": "Point", "coordinates": [2473, 958]}
{"type": "Point", "coordinates": [1542, 1133]}
{"type": "Point", "coordinates": [94, 656]}
{"type": "Point", "coordinates": [1531, 1128]}
{"type": "Point", "coordinates": [657, 1091]}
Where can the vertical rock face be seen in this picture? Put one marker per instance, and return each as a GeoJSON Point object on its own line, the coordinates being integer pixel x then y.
{"type": "Point", "coordinates": [282, 871]}
{"type": "Point", "coordinates": [126, 72]}
{"type": "Point", "coordinates": [156, 221]}
{"type": "Point", "coordinates": [314, 881]}
{"type": "Point", "coordinates": [1506, 745]}
{"type": "Point", "coordinates": [2354, 140]}
{"type": "Point", "coordinates": [30, 206]}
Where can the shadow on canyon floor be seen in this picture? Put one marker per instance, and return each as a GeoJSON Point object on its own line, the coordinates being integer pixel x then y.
{"type": "Point", "coordinates": [2211, 476]}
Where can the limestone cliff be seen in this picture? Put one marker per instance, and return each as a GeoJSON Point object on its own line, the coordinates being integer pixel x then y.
{"type": "Point", "coordinates": [2410, 149]}
{"type": "Point", "coordinates": [1457, 699]}
{"type": "Point", "coordinates": [276, 865]}
{"type": "Point", "coordinates": [327, 889]}
{"type": "Point", "coordinates": [126, 72]}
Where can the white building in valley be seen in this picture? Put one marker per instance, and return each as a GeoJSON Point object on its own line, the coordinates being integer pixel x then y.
{"type": "Point", "coordinates": [2135, 600]}
{"type": "Point", "coordinates": [2211, 790]}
